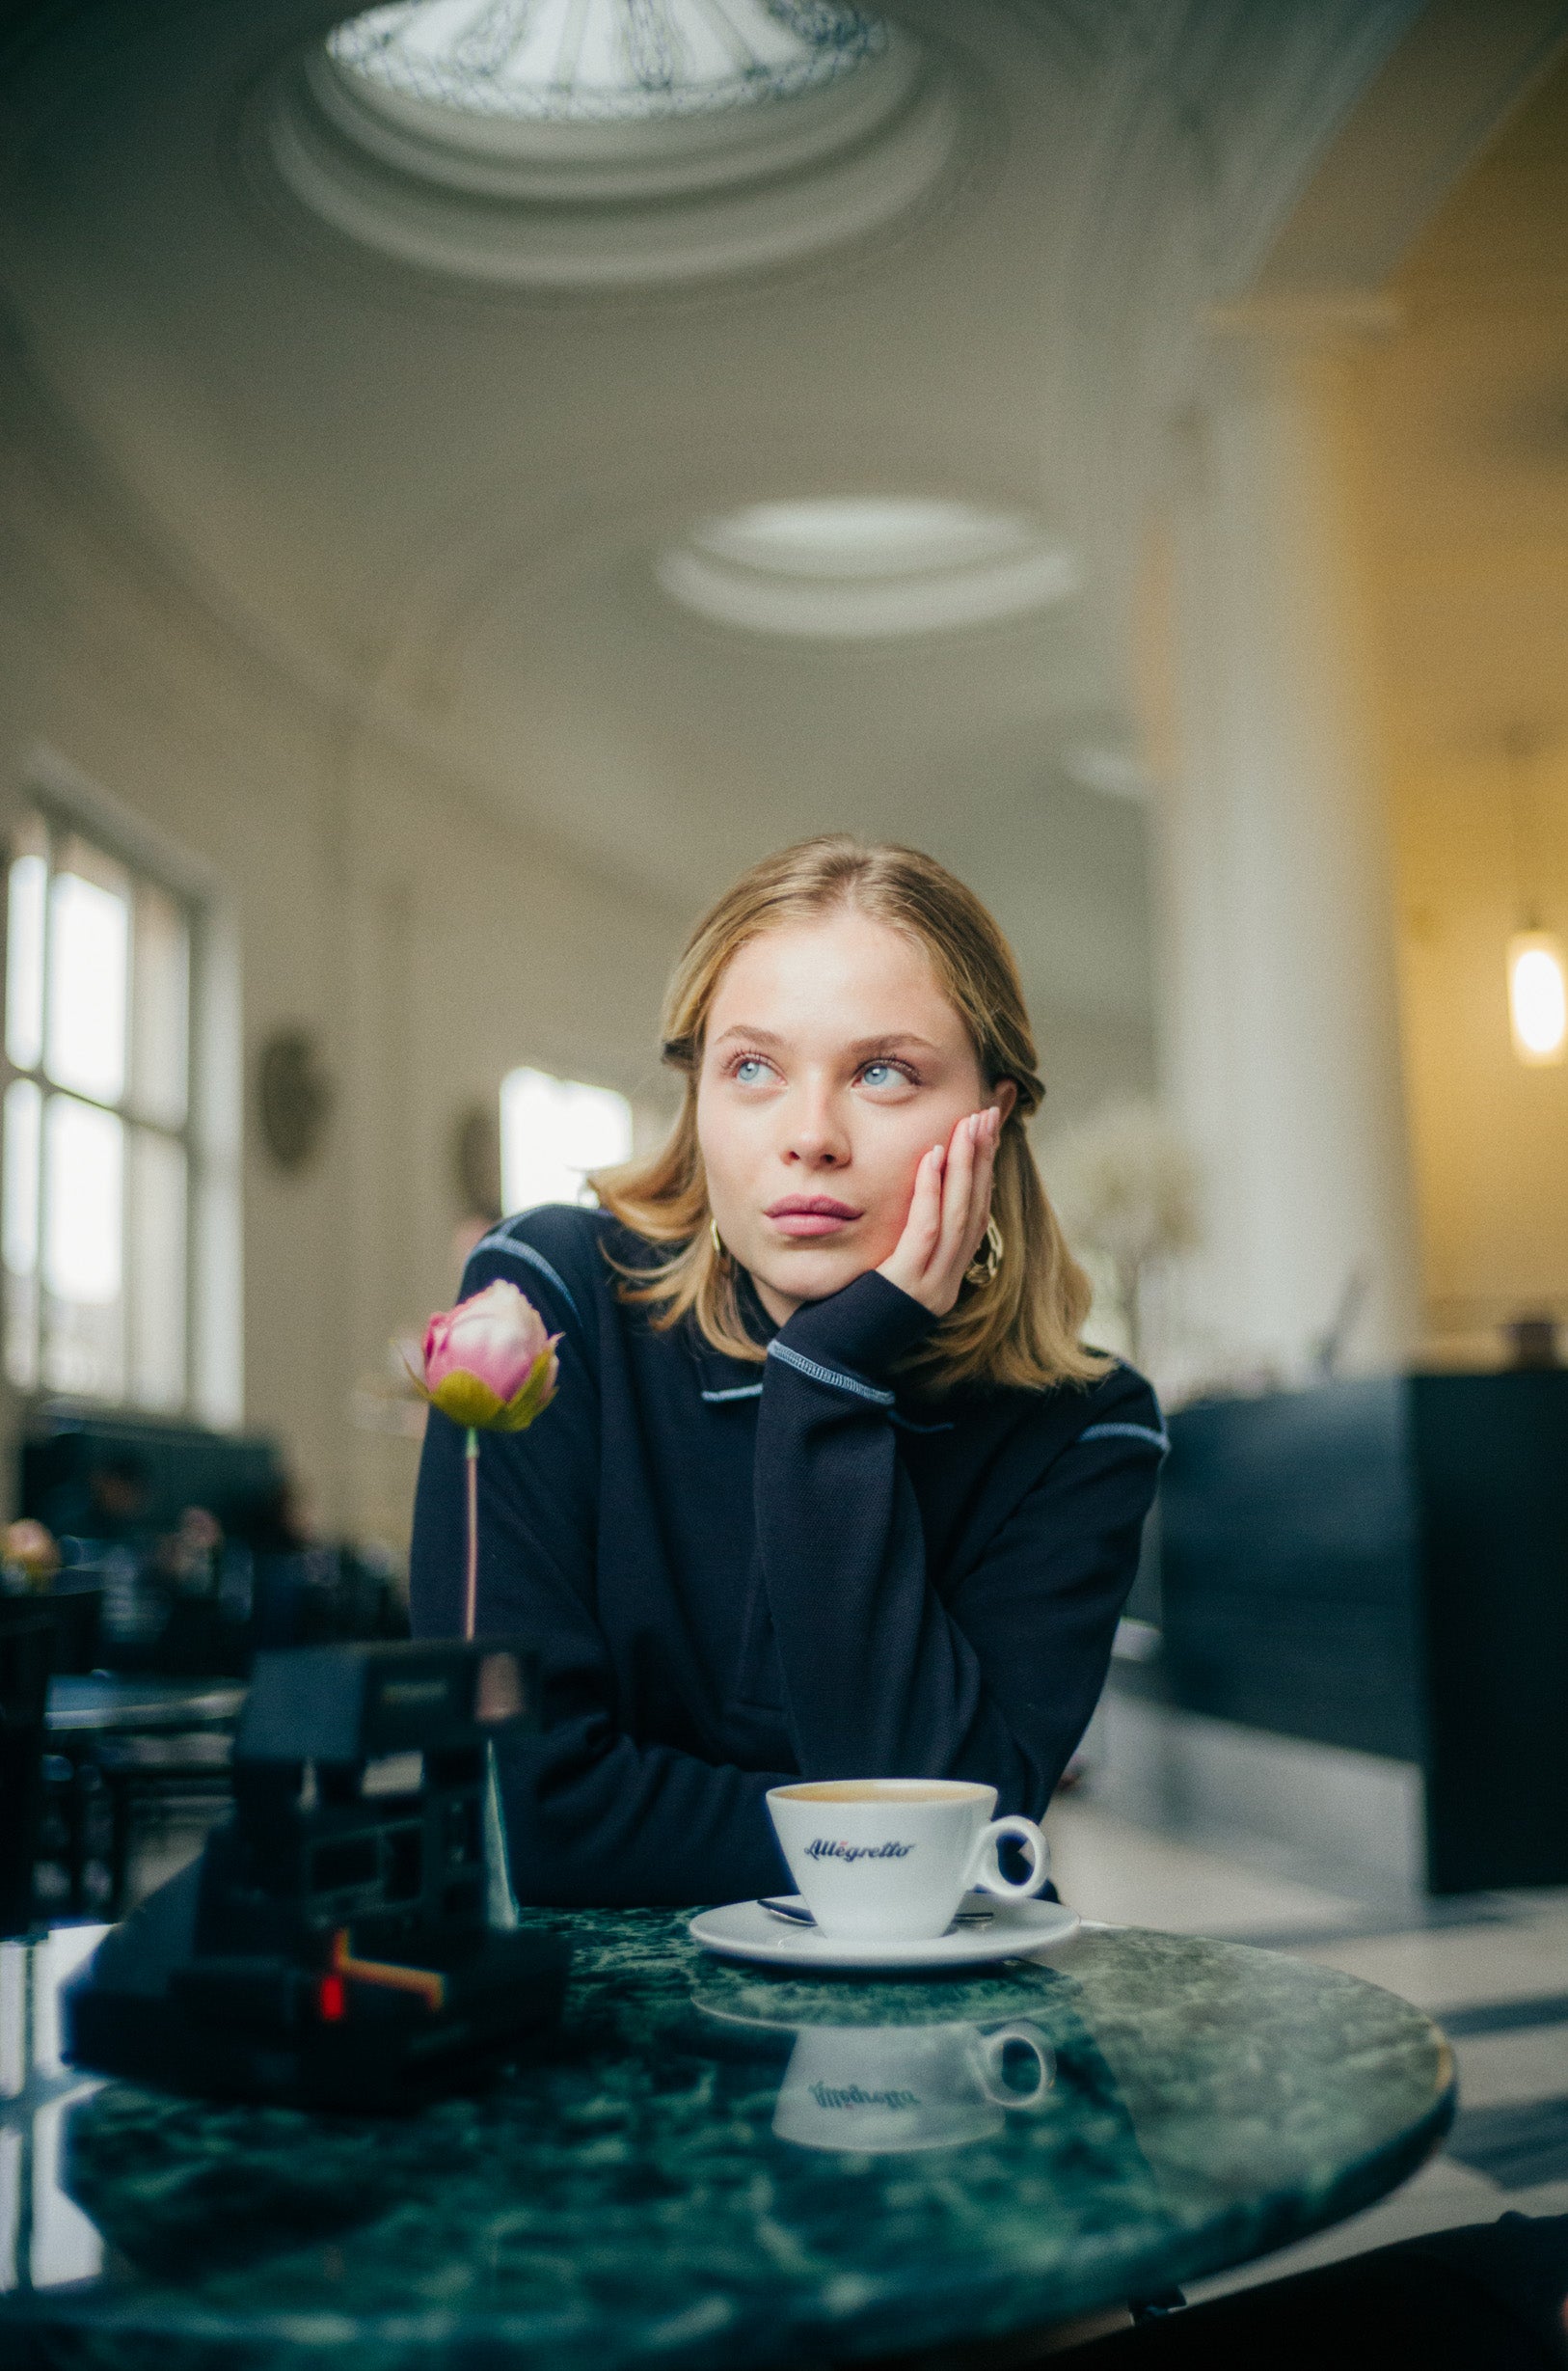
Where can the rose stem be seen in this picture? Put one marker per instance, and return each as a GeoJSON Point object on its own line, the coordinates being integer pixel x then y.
{"type": "Point", "coordinates": [471, 1457]}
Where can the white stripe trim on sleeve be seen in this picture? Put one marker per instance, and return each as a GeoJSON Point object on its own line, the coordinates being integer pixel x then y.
{"type": "Point", "coordinates": [828, 1374]}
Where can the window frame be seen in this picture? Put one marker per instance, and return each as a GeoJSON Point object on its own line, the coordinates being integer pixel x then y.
{"type": "Point", "coordinates": [68, 806]}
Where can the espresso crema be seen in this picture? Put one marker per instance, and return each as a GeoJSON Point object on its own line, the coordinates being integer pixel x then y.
{"type": "Point", "coordinates": [881, 1791]}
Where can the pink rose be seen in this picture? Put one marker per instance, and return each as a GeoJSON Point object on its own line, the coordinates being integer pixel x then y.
{"type": "Point", "coordinates": [489, 1364]}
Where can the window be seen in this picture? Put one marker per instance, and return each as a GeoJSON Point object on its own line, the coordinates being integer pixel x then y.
{"type": "Point", "coordinates": [96, 1223]}
{"type": "Point", "coordinates": [555, 1130]}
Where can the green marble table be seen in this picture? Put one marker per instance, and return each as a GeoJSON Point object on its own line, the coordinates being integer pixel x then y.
{"type": "Point", "coordinates": [717, 2166]}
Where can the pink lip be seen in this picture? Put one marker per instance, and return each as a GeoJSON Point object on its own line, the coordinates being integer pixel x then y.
{"type": "Point", "coordinates": [806, 1214]}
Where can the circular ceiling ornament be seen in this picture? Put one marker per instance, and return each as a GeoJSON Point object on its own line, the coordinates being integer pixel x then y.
{"type": "Point", "coordinates": [612, 144]}
{"type": "Point", "coordinates": [865, 568]}
{"type": "Point", "coordinates": [602, 61]}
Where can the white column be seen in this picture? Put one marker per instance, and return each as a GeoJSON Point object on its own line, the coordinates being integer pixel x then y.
{"type": "Point", "coordinates": [1280, 1050]}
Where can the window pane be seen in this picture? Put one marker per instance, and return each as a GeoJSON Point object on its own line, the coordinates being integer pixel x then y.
{"type": "Point", "coordinates": [159, 1005]}
{"type": "Point", "coordinates": [157, 1270]}
{"type": "Point", "coordinates": [20, 1229]}
{"type": "Point", "coordinates": [24, 947]}
{"type": "Point", "coordinates": [83, 1202]}
{"type": "Point", "coordinates": [89, 941]}
{"type": "Point", "coordinates": [23, 1112]}
{"type": "Point", "coordinates": [553, 1130]}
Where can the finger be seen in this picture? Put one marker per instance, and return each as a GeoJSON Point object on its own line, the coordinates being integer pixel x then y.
{"type": "Point", "coordinates": [985, 1171]}
{"type": "Point", "coordinates": [923, 1227]}
{"type": "Point", "coordinates": [987, 1132]}
{"type": "Point", "coordinates": [957, 1188]}
{"type": "Point", "coordinates": [984, 1177]}
{"type": "Point", "coordinates": [908, 1264]}
{"type": "Point", "coordinates": [990, 1137]}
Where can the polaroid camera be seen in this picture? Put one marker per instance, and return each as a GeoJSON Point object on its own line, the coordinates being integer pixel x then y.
{"type": "Point", "coordinates": [333, 1945]}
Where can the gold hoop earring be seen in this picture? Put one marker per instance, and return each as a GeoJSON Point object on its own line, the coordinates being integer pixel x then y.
{"type": "Point", "coordinates": [982, 1272]}
{"type": "Point", "coordinates": [713, 1236]}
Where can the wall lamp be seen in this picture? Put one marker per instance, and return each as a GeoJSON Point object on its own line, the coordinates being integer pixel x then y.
{"type": "Point", "coordinates": [1537, 983]}
{"type": "Point", "coordinates": [1537, 996]}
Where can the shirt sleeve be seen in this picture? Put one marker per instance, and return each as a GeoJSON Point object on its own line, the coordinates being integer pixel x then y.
{"type": "Point", "coordinates": [592, 1817]}
{"type": "Point", "coordinates": [993, 1678]}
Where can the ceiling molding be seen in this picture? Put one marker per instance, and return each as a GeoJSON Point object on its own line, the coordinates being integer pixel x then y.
{"type": "Point", "coordinates": [831, 168]}
{"type": "Point", "coordinates": [507, 551]}
{"type": "Point", "coordinates": [127, 545]}
{"type": "Point", "coordinates": [280, 158]}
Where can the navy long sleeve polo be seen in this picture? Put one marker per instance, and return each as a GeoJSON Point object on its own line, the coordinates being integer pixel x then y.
{"type": "Point", "coordinates": [741, 1574]}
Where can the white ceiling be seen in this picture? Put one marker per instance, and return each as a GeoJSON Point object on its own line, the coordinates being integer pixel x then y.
{"type": "Point", "coordinates": [452, 499]}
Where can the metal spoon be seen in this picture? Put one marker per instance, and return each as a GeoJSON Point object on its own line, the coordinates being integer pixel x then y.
{"type": "Point", "coordinates": [795, 1916]}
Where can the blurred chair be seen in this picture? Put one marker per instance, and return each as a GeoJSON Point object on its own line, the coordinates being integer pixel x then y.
{"type": "Point", "coordinates": [118, 1493]}
{"type": "Point", "coordinates": [26, 1652]}
{"type": "Point", "coordinates": [125, 1761]}
{"type": "Point", "coordinates": [75, 1607]}
{"type": "Point", "coordinates": [152, 1782]}
{"type": "Point", "coordinates": [74, 1849]}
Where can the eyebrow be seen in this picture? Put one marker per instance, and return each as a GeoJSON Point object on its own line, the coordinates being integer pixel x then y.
{"type": "Point", "coordinates": [861, 1044]}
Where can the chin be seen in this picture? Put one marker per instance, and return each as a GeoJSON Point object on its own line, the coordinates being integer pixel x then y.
{"type": "Point", "coordinates": [814, 1276]}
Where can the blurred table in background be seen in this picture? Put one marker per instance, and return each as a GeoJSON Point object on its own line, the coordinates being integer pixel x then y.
{"type": "Point", "coordinates": [102, 1701]}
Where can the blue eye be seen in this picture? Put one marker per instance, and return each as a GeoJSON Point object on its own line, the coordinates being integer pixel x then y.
{"type": "Point", "coordinates": [885, 1074]}
{"type": "Point", "coordinates": [749, 1071]}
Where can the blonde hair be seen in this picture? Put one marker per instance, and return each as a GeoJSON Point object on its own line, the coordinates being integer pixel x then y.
{"type": "Point", "coordinates": [1022, 1327]}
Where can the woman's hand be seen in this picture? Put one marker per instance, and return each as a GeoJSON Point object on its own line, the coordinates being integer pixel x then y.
{"type": "Point", "coordinates": [946, 1224]}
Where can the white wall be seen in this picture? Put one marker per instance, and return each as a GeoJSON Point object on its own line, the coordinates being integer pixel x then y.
{"type": "Point", "coordinates": [429, 945]}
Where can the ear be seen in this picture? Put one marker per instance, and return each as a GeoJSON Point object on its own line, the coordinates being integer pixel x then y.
{"type": "Point", "coordinates": [1004, 1095]}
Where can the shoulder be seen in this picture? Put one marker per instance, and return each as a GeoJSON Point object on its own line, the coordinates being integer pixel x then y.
{"type": "Point", "coordinates": [1122, 1406]}
{"type": "Point", "coordinates": [1090, 1455]}
{"type": "Point", "coordinates": [1116, 1414]}
{"type": "Point", "coordinates": [554, 1253]}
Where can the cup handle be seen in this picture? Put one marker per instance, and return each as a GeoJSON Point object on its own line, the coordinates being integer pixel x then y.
{"type": "Point", "coordinates": [990, 2054]}
{"type": "Point", "coordinates": [986, 1868]}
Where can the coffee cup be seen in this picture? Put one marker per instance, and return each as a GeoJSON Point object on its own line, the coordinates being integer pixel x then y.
{"type": "Point", "coordinates": [891, 1858]}
{"type": "Point", "coordinates": [890, 2089]}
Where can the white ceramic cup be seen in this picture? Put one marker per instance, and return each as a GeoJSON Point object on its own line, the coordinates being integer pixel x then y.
{"type": "Point", "coordinates": [891, 1858]}
{"type": "Point", "coordinates": [890, 2089]}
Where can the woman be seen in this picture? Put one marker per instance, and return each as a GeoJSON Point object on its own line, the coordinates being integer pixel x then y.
{"type": "Point", "coordinates": [830, 1487]}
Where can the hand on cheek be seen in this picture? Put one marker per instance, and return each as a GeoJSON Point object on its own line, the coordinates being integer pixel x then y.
{"type": "Point", "coordinates": [948, 1212]}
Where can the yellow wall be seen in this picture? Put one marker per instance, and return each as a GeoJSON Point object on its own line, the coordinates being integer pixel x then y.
{"type": "Point", "coordinates": [1459, 424]}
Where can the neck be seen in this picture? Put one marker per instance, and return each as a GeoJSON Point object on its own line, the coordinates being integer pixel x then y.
{"type": "Point", "coordinates": [781, 1306]}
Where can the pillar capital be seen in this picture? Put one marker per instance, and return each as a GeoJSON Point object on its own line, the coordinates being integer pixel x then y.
{"type": "Point", "coordinates": [1315, 321]}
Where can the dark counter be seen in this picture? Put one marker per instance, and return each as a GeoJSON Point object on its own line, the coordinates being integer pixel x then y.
{"type": "Point", "coordinates": [1383, 1565]}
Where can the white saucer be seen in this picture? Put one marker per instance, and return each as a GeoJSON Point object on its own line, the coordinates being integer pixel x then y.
{"type": "Point", "coordinates": [746, 1930]}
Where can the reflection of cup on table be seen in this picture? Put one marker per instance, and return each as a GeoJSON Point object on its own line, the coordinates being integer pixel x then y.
{"type": "Point", "coordinates": [882, 2089]}
{"type": "Point", "coordinates": [895, 1857]}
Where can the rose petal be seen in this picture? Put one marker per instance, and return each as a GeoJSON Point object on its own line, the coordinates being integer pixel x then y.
{"type": "Point", "coordinates": [536, 1392]}
{"type": "Point", "coordinates": [497, 1335]}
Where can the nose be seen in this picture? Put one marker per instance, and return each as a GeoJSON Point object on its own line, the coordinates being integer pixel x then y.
{"type": "Point", "coordinates": [815, 1134]}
